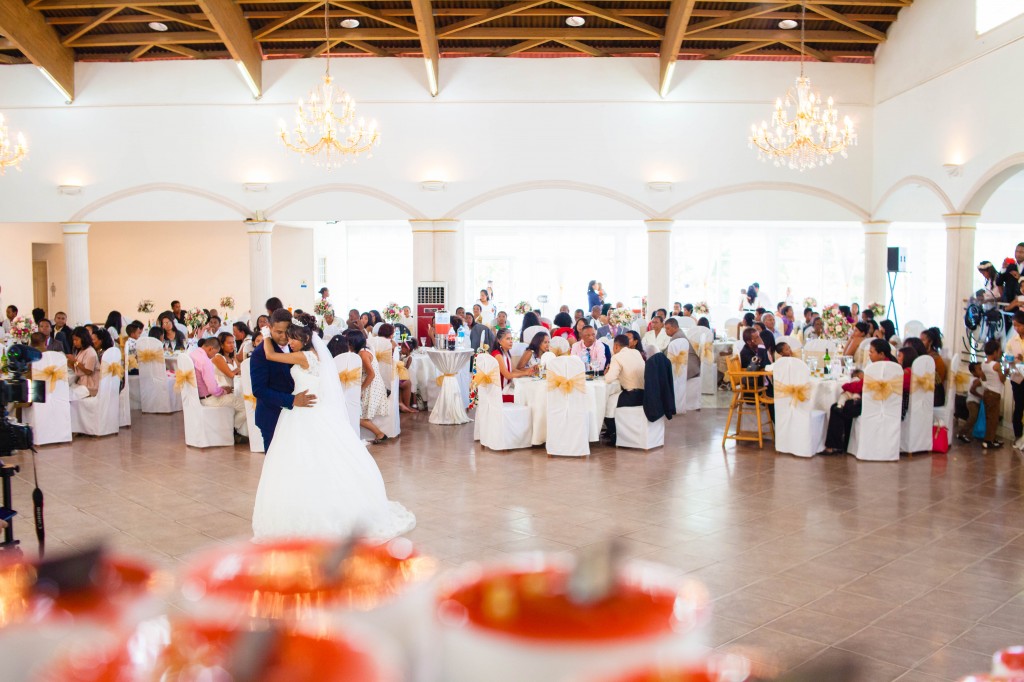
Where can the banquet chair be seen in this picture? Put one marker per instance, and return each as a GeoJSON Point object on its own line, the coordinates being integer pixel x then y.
{"type": "Point", "coordinates": [748, 393]}
{"type": "Point", "coordinates": [156, 388]}
{"type": "Point", "coordinates": [546, 358]}
{"type": "Point", "coordinates": [795, 344]}
{"type": "Point", "coordinates": [567, 407]}
{"type": "Point", "coordinates": [390, 423]}
{"type": "Point", "coordinates": [650, 350]}
{"type": "Point", "coordinates": [518, 348]}
{"type": "Point", "coordinates": [800, 429]}
{"type": "Point", "coordinates": [560, 346]}
{"type": "Point", "coordinates": [861, 358]}
{"type": "Point", "coordinates": [686, 322]}
{"type": "Point", "coordinates": [502, 426]}
{"type": "Point", "coordinates": [350, 371]}
{"type": "Point", "coordinates": [732, 327]}
{"type": "Point", "coordinates": [255, 435]}
{"type": "Point", "coordinates": [376, 328]}
{"type": "Point", "coordinates": [51, 420]}
{"type": "Point", "coordinates": [916, 428]}
{"type": "Point", "coordinates": [131, 362]}
{"type": "Point", "coordinates": [912, 328]}
{"type": "Point", "coordinates": [99, 415]}
{"type": "Point", "coordinates": [639, 325]}
{"type": "Point", "coordinates": [678, 352]}
{"type": "Point", "coordinates": [529, 333]}
{"type": "Point", "coordinates": [124, 398]}
{"type": "Point", "coordinates": [385, 353]}
{"type": "Point", "coordinates": [205, 426]}
{"type": "Point", "coordinates": [702, 342]}
{"type": "Point", "coordinates": [944, 414]}
{"type": "Point", "coordinates": [875, 434]}
{"type": "Point", "coordinates": [633, 430]}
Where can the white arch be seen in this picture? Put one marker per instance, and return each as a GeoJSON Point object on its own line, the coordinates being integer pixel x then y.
{"type": "Point", "coordinates": [769, 187]}
{"type": "Point", "coordinates": [990, 182]}
{"type": "Point", "coordinates": [243, 211]}
{"type": "Point", "coordinates": [409, 210]}
{"type": "Point", "coordinates": [920, 181]}
{"type": "Point", "coordinates": [552, 184]}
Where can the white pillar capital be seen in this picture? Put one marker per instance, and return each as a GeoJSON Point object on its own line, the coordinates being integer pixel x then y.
{"type": "Point", "coordinates": [259, 226]}
{"type": "Point", "coordinates": [961, 221]}
{"type": "Point", "coordinates": [436, 225]}
{"type": "Point", "coordinates": [76, 228]}
{"type": "Point", "coordinates": [659, 225]}
{"type": "Point", "coordinates": [876, 227]}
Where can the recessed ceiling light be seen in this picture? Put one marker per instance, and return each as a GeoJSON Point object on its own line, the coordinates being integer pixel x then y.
{"type": "Point", "coordinates": [575, 22]}
{"type": "Point", "coordinates": [433, 185]}
{"type": "Point", "coordinates": [70, 190]}
{"type": "Point", "coordinates": [788, 24]}
{"type": "Point", "coordinates": [350, 23]}
{"type": "Point", "coordinates": [157, 26]}
{"type": "Point", "coordinates": [659, 186]}
{"type": "Point", "coordinates": [255, 186]}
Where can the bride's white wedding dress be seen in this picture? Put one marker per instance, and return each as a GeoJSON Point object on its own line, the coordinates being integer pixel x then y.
{"type": "Point", "coordinates": [318, 479]}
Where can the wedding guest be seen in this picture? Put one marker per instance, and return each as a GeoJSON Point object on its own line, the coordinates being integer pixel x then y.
{"type": "Point", "coordinates": [749, 302]}
{"type": "Point", "coordinates": [157, 333]}
{"type": "Point", "coordinates": [243, 340]}
{"type": "Point", "coordinates": [101, 340]}
{"type": "Point", "coordinates": [860, 332]}
{"type": "Point", "coordinates": [540, 345]}
{"type": "Point", "coordinates": [177, 312]}
{"type": "Point", "coordinates": [975, 393]}
{"type": "Point", "coordinates": [656, 336]}
{"type": "Point", "coordinates": [366, 324]}
{"type": "Point", "coordinates": [479, 334]}
{"type": "Point", "coordinates": [636, 343]}
{"type": "Point", "coordinates": [769, 322]}
{"type": "Point", "coordinates": [332, 327]}
{"type": "Point", "coordinates": [273, 303]}
{"type": "Point", "coordinates": [354, 320]}
{"type": "Point", "coordinates": [872, 328]}
{"type": "Point", "coordinates": [563, 309]}
{"type": "Point", "coordinates": [595, 316]}
{"type": "Point", "coordinates": [486, 307]}
{"type": "Point", "coordinates": [212, 327]}
{"type": "Point", "coordinates": [578, 315]}
{"type": "Point", "coordinates": [503, 354]}
{"type": "Point", "coordinates": [325, 293]}
{"type": "Point", "coordinates": [673, 332]}
{"type": "Point", "coordinates": [768, 343]}
{"type": "Point", "coordinates": [758, 314]}
{"type": "Point", "coordinates": [867, 315]}
{"type": "Point", "coordinates": [478, 313]}
{"type": "Point", "coordinates": [817, 330]}
{"type": "Point", "coordinates": [172, 335]}
{"type": "Point", "coordinates": [377, 318]}
{"type": "Point", "coordinates": [782, 350]}
{"type": "Point", "coordinates": [677, 309]}
{"type": "Point", "coordinates": [706, 323]}
{"type": "Point", "coordinates": [530, 319]}
{"type": "Point", "coordinates": [808, 319]}
{"type": "Point", "coordinates": [1015, 348]}
{"type": "Point", "coordinates": [226, 361]}
{"type": "Point", "coordinates": [12, 312]}
{"type": "Point", "coordinates": [845, 311]}
{"type": "Point", "coordinates": [932, 340]}
{"type": "Point", "coordinates": [85, 364]}
{"type": "Point", "coordinates": [748, 321]}
{"type": "Point", "coordinates": [841, 416]}
{"type": "Point", "coordinates": [37, 315]}
{"type": "Point", "coordinates": [563, 328]}
{"type": "Point", "coordinates": [688, 310]}
{"type": "Point", "coordinates": [788, 320]}
{"type": "Point", "coordinates": [406, 312]}
{"type": "Point", "coordinates": [52, 343]}
{"type": "Point", "coordinates": [501, 321]}
{"type": "Point", "coordinates": [133, 333]}
{"type": "Point", "coordinates": [603, 328]}
{"type": "Point", "coordinates": [599, 353]}
{"type": "Point", "coordinates": [627, 367]}
{"type": "Point", "coordinates": [211, 391]}
{"type": "Point", "coordinates": [753, 356]}
{"type": "Point", "coordinates": [601, 292]}
{"type": "Point", "coordinates": [373, 394]}
{"type": "Point", "coordinates": [992, 383]}
{"type": "Point", "coordinates": [855, 311]}
{"type": "Point", "coordinates": [61, 331]}
{"type": "Point", "coordinates": [37, 340]}
{"type": "Point", "coordinates": [593, 297]}
{"type": "Point", "coordinates": [577, 327]}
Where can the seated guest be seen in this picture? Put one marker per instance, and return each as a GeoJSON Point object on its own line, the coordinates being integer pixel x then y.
{"type": "Point", "coordinates": [501, 321]}
{"type": "Point", "coordinates": [817, 330]}
{"type": "Point", "coordinates": [85, 364]}
{"type": "Point", "coordinates": [588, 347]}
{"type": "Point", "coordinates": [748, 320]}
{"type": "Point", "coordinates": [905, 357]}
{"type": "Point", "coordinates": [243, 340]}
{"type": "Point", "coordinates": [61, 332]}
{"type": "Point", "coordinates": [11, 313]}
{"type": "Point", "coordinates": [479, 333]}
{"type": "Point", "coordinates": [101, 341]}
{"type": "Point", "coordinates": [503, 354]}
{"type": "Point", "coordinates": [857, 337]}
{"type": "Point", "coordinates": [134, 331]}
{"type": "Point", "coordinates": [808, 319]}
{"type": "Point", "coordinates": [673, 332]}
{"type": "Point", "coordinates": [337, 344]}
{"type": "Point", "coordinates": [273, 303]}
{"type": "Point", "coordinates": [540, 345]}
{"type": "Point", "coordinates": [530, 319]}
{"type": "Point", "coordinates": [478, 313]}
{"type": "Point", "coordinates": [603, 328]}
{"type": "Point", "coordinates": [113, 324]}
{"type": "Point", "coordinates": [782, 350]}
{"type": "Point", "coordinates": [788, 321]}
{"type": "Point", "coordinates": [846, 312]}
{"type": "Point", "coordinates": [768, 343]}
{"type": "Point", "coordinates": [212, 328]}
{"type": "Point", "coordinates": [38, 314]}
{"type": "Point", "coordinates": [841, 416]}
{"type": "Point", "coordinates": [563, 328]}
{"type": "Point", "coordinates": [38, 341]}
{"type": "Point", "coordinates": [677, 309]}
{"type": "Point", "coordinates": [353, 321]}
{"type": "Point", "coordinates": [627, 367]}
{"type": "Point", "coordinates": [656, 336]}
{"type": "Point", "coordinates": [366, 324]}
{"type": "Point", "coordinates": [577, 315]}
{"type": "Point", "coordinates": [52, 343]}
{"type": "Point", "coordinates": [173, 337]}
{"type": "Point", "coordinates": [636, 343]}
{"type": "Point", "coordinates": [753, 356]}
{"type": "Point", "coordinates": [595, 317]}
{"type": "Point", "coordinates": [332, 327]}
{"type": "Point", "coordinates": [577, 327]}
{"type": "Point", "coordinates": [770, 323]}
{"type": "Point", "coordinates": [211, 393]}
{"type": "Point", "coordinates": [932, 340]}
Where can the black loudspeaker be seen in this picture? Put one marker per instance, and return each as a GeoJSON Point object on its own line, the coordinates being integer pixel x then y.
{"type": "Point", "coordinates": [897, 261]}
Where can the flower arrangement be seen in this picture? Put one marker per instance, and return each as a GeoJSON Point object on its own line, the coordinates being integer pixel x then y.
{"type": "Point", "coordinates": [877, 309]}
{"type": "Point", "coordinates": [621, 317]}
{"type": "Point", "coordinates": [195, 318]}
{"type": "Point", "coordinates": [643, 307]}
{"type": "Point", "coordinates": [22, 329]}
{"type": "Point", "coordinates": [523, 307]}
{"type": "Point", "coordinates": [322, 307]}
{"type": "Point", "coordinates": [392, 312]}
{"type": "Point", "coordinates": [484, 349]}
{"type": "Point", "coordinates": [810, 302]}
{"type": "Point", "coordinates": [701, 308]}
{"type": "Point", "coordinates": [836, 325]}
{"type": "Point", "coordinates": [227, 302]}
{"type": "Point", "coordinates": [146, 306]}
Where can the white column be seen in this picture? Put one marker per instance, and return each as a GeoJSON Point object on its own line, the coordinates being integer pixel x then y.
{"type": "Point", "coordinates": [439, 256]}
{"type": "Point", "coordinates": [261, 271]}
{"type": "Point", "coordinates": [76, 260]}
{"type": "Point", "coordinates": [659, 264]}
{"type": "Point", "coordinates": [876, 244]}
{"type": "Point", "coordinates": [960, 266]}
{"type": "Point", "coordinates": [422, 251]}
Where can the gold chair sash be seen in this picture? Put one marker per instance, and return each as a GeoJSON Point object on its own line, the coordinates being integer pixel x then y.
{"type": "Point", "coordinates": [882, 390]}
{"type": "Point", "coordinates": [51, 375]}
{"type": "Point", "coordinates": [249, 398]}
{"type": "Point", "coordinates": [559, 352]}
{"type": "Point", "coordinates": [133, 362]}
{"type": "Point", "coordinates": [678, 361]}
{"type": "Point", "coordinates": [707, 352]}
{"type": "Point", "coordinates": [152, 355]}
{"type": "Point", "coordinates": [113, 369]}
{"type": "Point", "coordinates": [923, 382]}
{"type": "Point", "coordinates": [385, 357]}
{"type": "Point", "coordinates": [797, 393]}
{"type": "Point", "coordinates": [440, 379]}
{"type": "Point", "coordinates": [348, 377]}
{"type": "Point", "coordinates": [182, 377]}
{"type": "Point", "coordinates": [402, 371]}
{"type": "Point", "coordinates": [487, 378]}
{"type": "Point", "coordinates": [557, 382]}
{"type": "Point", "coordinates": [963, 381]}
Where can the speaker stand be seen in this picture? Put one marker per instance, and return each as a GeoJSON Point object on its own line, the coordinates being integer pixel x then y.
{"type": "Point", "coordinates": [891, 276]}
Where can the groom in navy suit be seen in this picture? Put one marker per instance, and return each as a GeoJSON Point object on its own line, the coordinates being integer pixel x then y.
{"type": "Point", "coordinates": [272, 381]}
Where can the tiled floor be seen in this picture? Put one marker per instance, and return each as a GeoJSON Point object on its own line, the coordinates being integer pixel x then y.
{"type": "Point", "coordinates": [914, 569]}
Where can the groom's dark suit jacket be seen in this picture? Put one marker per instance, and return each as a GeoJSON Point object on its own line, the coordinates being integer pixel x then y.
{"type": "Point", "coordinates": [272, 385]}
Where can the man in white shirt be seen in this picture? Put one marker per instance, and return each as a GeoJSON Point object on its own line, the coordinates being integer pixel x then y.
{"type": "Point", "coordinates": [595, 317]}
{"type": "Point", "coordinates": [212, 328]}
{"type": "Point", "coordinates": [768, 320]}
{"type": "Point", "coordinates": [656, 336]}
{"type": "Point", "coordinates": [596, 350]}
{"type": "Point", "coordinates": [1015, 347]}
{"type": "Point", "coordinates": [627, 367]}
{"type": "Point", "coordinates": [12, 312]}
{"type": "Point", "coordinates": [331, 326]}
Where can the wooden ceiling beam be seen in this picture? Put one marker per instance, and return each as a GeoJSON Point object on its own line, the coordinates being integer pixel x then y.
{"type": "Point", "coordinates": [362, 10]}
{"type": "Point", "coordinates": [732, 17]}
{"type": "Point", "coordinates": [321, 48]}
{"type": "Point", "coordinates": [840, 18]}
{"type": "Point", "coordinates": [518, 47]}
{"type": "Point", "coordinates": [96, 21]}
{"type": "Point", "coordinates": [226, 17]}
{"type": "Point", "coordinates": [807, 50]}
{"type": "Point", "coordinates": [27, 30]}
{"type": "Point", "coordinates": [741, 49]}
{"type": "Point", "coordinates": [612, 16]}
{"type": "Point", "coordinates": [582, 47]}
{"type": "Point", "coordinates": [287, 19]}
{"type": "Point", "coordinates": [138, 52]}
{"type": "Point", "coordinates": [367, 48]}
{"type": "Point", "coordinates": [514, 8]}
{"type": "Point", "coordinates": [184, 51]}
{"type": "Point", "coordinates": [170, 15]}
{"type": "Point", "coordinates": [675, 30]}
{"type": "Point", "coordinates": [743, 35]}
{"type": "Point", "coordinates": [428, 41]}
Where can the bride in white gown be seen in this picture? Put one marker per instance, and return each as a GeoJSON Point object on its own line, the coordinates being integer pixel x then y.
{"type": "Point", "coordinates": [318, 478]}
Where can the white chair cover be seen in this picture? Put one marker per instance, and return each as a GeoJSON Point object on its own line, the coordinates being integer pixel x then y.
{"type": "Point", "coordinates": [156, 388]}
{"type": "Point", "coordinates": [529, 333]}
{"type": "Point", "coordinates": [347, 362]}
{"type": "Point", "coordinates": [794, 342]}
{"type": "Point", "coordinates": [912, 328]}
{"type": "Point", "coordinates": [607, 340]}
{"type": "Point", "coordinates": [205, 426]}
{"type": "Point", "coordinates": [632, 430]}
{"type": "Point", "coordinates": [732, 327]}
{"type": "Point", "coordinates": [546, 359]}
{"type": "Point", "coordinates": [518, 348]}
{"type": "Point", "coordinates": [686, 322]}
{"type": "Point", "coordinates": [568, 410]}
{"type": "Point", "coordinates": [799, 430]}
{"type": "Point", "coordinates": [944, 414]}
{"type": "Point", "coordinates": [100, 415]}
{"type": "Point", "coordinates": [124, 400]}
{"type": "Point", "coordinates": [916, 428]}
{"type": "Point", "coordinates": [679, 371]}
{"type": "Point", "coordinates": [501, 426]}
{"type": "Point", "coordinates": [376, 328]}
{"type": "Point", "coordinates": [255, 435]}
{"type": "Point", "coordinates": [134, 388]}
{"type": "Point", "coordinates": [385, 353]}
{"type": "Point", "coordinates": [876, 432]}
{"type": "Point", "coordinates": [650, 350]}
{"type": "Point", "coordinates": [702, 342]}
{"type": "Point", "coordinates": [560, 346]}
{"type": "Point", "coordinates": [861, 358]}
{"type": "Point", "coordinates": [639, 325]}
{"type": "Point", "coordinates": [51, 421]}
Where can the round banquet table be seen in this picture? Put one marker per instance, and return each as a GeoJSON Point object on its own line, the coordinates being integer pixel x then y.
{"type": "Point", "coordinates": [825, 391]}
{"type": "Point", "coordinates": [450, 407]}
{"type": "Point", "coordinates": [533, 393]}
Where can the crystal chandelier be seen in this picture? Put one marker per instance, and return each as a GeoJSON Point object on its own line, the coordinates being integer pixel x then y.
{"type": "Point", "coordinates": [326, 129]}
{"type": "Point", "coordinates": [10, 155]}
{"type": "Point", "coordinates": [809, 137]}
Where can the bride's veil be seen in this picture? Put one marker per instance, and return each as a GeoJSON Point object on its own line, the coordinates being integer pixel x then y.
{"type": "Point", "coordinates": [329, 391]}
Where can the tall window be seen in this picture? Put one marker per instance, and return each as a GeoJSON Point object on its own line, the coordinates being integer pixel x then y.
{"type": "Point", "coordinates": [991, 14]}
{"type": "Point", "coordinates": [321, 270]}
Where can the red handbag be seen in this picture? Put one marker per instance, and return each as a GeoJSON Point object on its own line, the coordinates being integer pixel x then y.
{"type": "Point", "coordinates": [940, 439]}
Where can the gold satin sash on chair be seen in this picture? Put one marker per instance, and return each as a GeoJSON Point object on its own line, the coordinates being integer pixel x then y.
{"type": "Point", "coordinates": [707, 352]}
{"type": "Point", "coordinates": [133, 362]}
{"type": "Point", "coordinates": [51, 375]}
{"type": "Point", "coordinates": [797, 393]}
{"type": "Point", "coordinates": [182, 377]}
{"type": "Point", "coordinates": [557, 382]}
{"type": "Point", "coordinates": [882, 390]}
{"type": "Point", "coordinates": [963, 381]}
{"type": "Point", "coordinates": [152, 355]}
{"type": "Point", "coordinates": [401, 371]}
{"type": "Point", "coordinates": [249, 398]}
{"type": "Point", "coordinates": [113, 369]}
{"type": "Point", "coordinates": [678, 361]}
{"type": "Point", "coordinates": [487, 378]}
{"type": "Point", "coordinates": [923, 382]}
{"type": "Point", "coordinates": [348, 377]}
{"type": "Point", "coordinates": [440, 379]}
{"type": "Point", "coordinates": [385, 357]}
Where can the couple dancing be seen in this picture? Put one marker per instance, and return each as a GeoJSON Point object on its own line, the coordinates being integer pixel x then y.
{"type": "Point", "coordinates": [318, 478]}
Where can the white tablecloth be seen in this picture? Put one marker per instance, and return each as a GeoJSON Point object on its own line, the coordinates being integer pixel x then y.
{"type": "Point", "coordinates": [454, 396]}
{"type": "Point", "coordinates": [825, 392]}
{"type": "Point", "coordinates": [533, 394]}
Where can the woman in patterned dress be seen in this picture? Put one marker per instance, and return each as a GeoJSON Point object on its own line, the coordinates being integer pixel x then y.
{"type": "Point", "coordinates": [373, 394]}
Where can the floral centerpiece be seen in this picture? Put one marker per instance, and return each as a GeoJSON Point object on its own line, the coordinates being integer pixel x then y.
{"type": "Point", "coordinates": [392, 313]}
{"type": "Point", "coordinates": [836, 325]}
{"type": "Point", "coordinates": [322, 307]}
{"type": "Point", "coordinates": [877, 309]}
{"type": "Point", "coordinates": [195, 318]}
{"type": "Point", "coordinates": [620, 317]}
{"type": "Point", "coordinates": [701, 308]}
{"type": "Point", "coordinates": [146, 306]}
{"type": "Point", "coordinates": [810, 302]}
{"type": "Point", "coordinates": [643, 307]}
{"type": "Point", "coordinates": [523, 307]}
{"type": "Point", "coordinates": [227, 302]}
{"type": "Point", "coordinates": [22, 329]}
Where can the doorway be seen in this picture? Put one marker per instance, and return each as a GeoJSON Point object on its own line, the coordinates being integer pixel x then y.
{"type": "Point", "coordinates": [40, 279]}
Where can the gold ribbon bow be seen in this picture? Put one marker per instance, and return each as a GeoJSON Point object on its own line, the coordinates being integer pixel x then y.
{"type": "Point", "coordinates": [440, 379]}
{"type": "Point", "coordinates": [559, 352]}
{"type": "Point", "coordinates": [707, 352]}
{"type": "Point", "coordinates": [882, 390]}
{"type": "Point", "coordinates": [51, 374]}
{"type": "Point", "coordinates": [385, 357]}
{"type": "Point", "coordinates": [348, 377]}
{"type": "Point", "coordinates": [182, 377]}
{"type": "Point", "coordinates": [797, 393]}
{"type": "Point", "coordinates": [152, 355]}
{"type": "Point", "coordinates": [249, 398]}
{"type": "Point", "coordinates": [113, 369]}
{"type": "Point", "coordinates": [401, 371]}
{"type": "Point", "coordinates": [133, 362]}
{"type": "Point", "coordinates": [678, 361]}
{"type": "Point", "coordinates": [565, 384]}
{"type": "Point", "coordinates": [486, 378]}
{"type": "Point", "coordinates": [963, 381]}
{"type": "Point", "coordinates": [923, 382]}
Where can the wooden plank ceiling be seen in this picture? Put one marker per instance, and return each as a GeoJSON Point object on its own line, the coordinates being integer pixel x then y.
{"type": "Point", "coordinates": [50, 32]}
